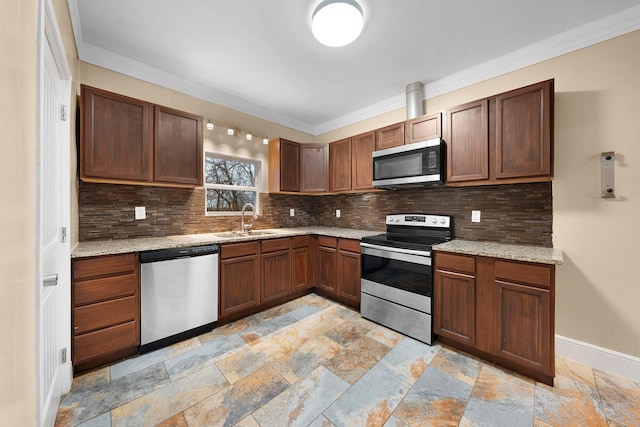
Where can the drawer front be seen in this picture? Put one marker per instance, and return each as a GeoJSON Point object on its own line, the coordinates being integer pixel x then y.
{"type": "Point", "coordinates": [104, 314]}
{"type": "Point", "coordinates": [452, 262]}
{"type": "Point", "coordinates": [105, 341]}
{"type": "Point", "coordinates": [104, 265]}
{"type": "Point", "coordinates": [301, 241]}
{"type": "Point", "coordinates": [96, 290]}
{"type": "Point", "coordinates": [276, 244]}
{"type": "Point", "coordinates": [233, 250]}
{"type": "Point", "coordinates": [330, 242]}
{"type": "Point", "coordinates": [349, 245]}
{"type": "Point", "coordinates": [540, 275]}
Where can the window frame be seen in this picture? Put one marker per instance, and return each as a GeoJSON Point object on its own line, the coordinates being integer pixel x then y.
{"type": "Point", "coordinates": [256, 188]}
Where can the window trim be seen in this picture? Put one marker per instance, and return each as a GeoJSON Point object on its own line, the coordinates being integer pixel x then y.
{"type": "Point", "coordinates": [258, 167]}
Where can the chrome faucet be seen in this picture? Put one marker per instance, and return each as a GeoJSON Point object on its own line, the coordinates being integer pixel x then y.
{"type": "Point", "coordinates": [244, 228]}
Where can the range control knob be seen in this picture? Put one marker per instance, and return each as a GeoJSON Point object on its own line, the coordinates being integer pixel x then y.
{"type": "Point", "coordinates": [434, 220]}
{"type": "Point", "coordinates": [442, 221]}
{"type": "Point", "coordinates": [396, 218]}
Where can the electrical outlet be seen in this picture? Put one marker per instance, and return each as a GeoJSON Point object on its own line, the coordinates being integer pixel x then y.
{"type": "Point", "coordinates": [292, 212]}
{"type": "Point", "coordinates": [141, 212]}
{"type": "Point", "coordinates": [475, 216]}
{"type": "Point", "coordinates": [337, 213]}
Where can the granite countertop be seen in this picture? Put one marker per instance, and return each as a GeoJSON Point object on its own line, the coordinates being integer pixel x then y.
{"type": "Point", "coordinates": [505, 251]}
{"type": "Point", "coordinates": [120, 246]}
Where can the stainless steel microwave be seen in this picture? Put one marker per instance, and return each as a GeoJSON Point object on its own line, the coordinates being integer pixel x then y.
{"type": "Point", "coordinates": [416, 164]}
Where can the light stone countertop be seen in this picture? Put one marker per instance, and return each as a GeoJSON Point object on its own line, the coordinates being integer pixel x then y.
{"type": "Point", "coordinates": [505, 251]}
{"type": "Point", "coordinates": [120, 246]}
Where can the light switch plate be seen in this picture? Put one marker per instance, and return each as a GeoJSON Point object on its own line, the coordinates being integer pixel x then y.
{"type": "Point", "coordinates": [337, 213]}
{"type": "Point", "coordinates": [141, 212]}
{"type": "Point", "coordinates": [292, 212]}
{"type": "Point", "coordinates": [475, 216]}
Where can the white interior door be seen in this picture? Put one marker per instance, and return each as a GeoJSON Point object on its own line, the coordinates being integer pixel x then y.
{"type": "Point", "coordinates": [54, 287]}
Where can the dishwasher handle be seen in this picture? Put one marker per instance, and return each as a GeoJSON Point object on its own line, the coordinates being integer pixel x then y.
{"type": "Point", "coordinates": [175, 253]}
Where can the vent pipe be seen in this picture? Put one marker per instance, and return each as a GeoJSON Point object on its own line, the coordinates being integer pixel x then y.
{"type": "Point", "coordinates": [414, 100]}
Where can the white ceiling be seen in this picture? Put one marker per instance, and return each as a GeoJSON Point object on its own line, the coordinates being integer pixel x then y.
{"type": "Point", "coordinates": [259, 56]}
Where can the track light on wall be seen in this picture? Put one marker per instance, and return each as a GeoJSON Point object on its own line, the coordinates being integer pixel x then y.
{"type": "Point", "coordinates": [232, 131]}
{"type": "Point", "coordinates": [209, 125]}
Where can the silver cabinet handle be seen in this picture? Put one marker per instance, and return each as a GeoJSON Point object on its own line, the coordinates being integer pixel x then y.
{"type": "Point", "coordinates": [50, 280]}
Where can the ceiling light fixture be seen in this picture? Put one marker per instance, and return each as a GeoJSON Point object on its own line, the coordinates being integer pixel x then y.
{"type": "Point", "coordinates": [265, 141]}
{"type": "Point", "coordinates": [234, 131]}
{"type": "Point", "coordinates": [231, 131]}
{"type": "Point", "coordinates": [337, 23]}
{"type": "Point", "coordinates": [209, 125]}
{"type": "Point", "coordinates": [248, 136]}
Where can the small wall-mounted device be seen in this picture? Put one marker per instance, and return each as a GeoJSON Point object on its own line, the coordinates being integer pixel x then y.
{"type": "Point", "coordinates": [607, 167]}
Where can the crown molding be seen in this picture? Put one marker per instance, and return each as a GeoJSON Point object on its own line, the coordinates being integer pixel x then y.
{"type": "Point", "coordinates": [586, 35]}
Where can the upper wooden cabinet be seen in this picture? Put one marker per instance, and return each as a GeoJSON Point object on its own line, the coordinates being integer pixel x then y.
{"type": "Point", "coordinates": [340, 153]}
{"type": "Point", "coordinates": [362, 147]}
{"type": "Point", "coordinates": [284, 165]}
{"type": "Point", "coordinates": [390, 136]}
{"type": "Point", "coordinates": [507, 138]}
{"type": "Point", "coordinates": [314, 168]}
{"type": "Point", "coordinates": [423, 128]}
{"type": "Point", "coordinates": [126, 140]}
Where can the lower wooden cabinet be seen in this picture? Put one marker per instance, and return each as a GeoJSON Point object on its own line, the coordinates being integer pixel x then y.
{"type": "Point", "coordinates": [275, 273]}
{"type": "Point", "coordinates": [105, 309]}
{"type": "Point", "coordinates": [500, 309]}
{"type": "Point", "coordinates": [301, 262]}
{"type": "Point", "coordinates": [327, 250]}
{"type": "Point", "coordinates": [348, 271]}
{"type": "Point", "coordinates": [239, 277]}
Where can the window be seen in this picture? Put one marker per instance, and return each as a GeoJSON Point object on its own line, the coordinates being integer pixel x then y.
{"type": "Point", "coordinates": [230, 183]}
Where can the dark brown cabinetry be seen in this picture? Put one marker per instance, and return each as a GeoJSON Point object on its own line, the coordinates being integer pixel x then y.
{"type": "Point", "coordinates": [499, 309]}
{"type": "Point", "coordinates": [423, 128]}
{"type": "Point", "coordinates": [275, 268]}
{"type": "Point", "coordinates": [506, 138]}
{"type": "Point", "coordinates": [301, 263]}
{"type": "Point", "coordinates": [390, 136]}
{"type": "Point", "coordinates": [362, 147]}
{"type": "Point", "coordinates": [348, 271]}
{"type": "Point", "coordinates": [284, 166]}
{"type": "Point", "coordinates": [239, 277]}
{"type": "Point", "coordinates": [314, 168]}
{"type": "Point", "coordinates": [327, 250]}
{"type": "Point", "coordinates": [105, 309]}
{"type": "Point", "coordinates": [126, 140]}
{"type": "Point", "coordinates": [340, 165]}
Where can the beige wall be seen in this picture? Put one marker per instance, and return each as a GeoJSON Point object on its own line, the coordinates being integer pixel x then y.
{"type": "Point", "coordinates": [597, 109]}
{"type": "Point", "coordinates": [18, 225]}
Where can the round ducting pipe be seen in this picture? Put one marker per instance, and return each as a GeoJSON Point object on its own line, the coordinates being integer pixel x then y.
{"type": "Point", "coordinates": [414, 100]}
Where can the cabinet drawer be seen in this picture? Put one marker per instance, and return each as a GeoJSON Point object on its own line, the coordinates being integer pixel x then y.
{"type": "Point", "coordinates": [104, 265]}
{"type": "Point", "coordinates": [330, 242]}
{"type": "Point", "coordinates": [95, 290]}
{"type": "Point", "coordinates": [539, 275]}
{"type": "Point", "coordinates": [460, 263]}
{"type": "Point", "coordinates": [300, 241]}
{"type": "Point", "coordinates": [349, 245]}
{"type": "Point", "coordinates": [105, 341]}
{"type": "Point", "coordinates": [275, 244]}
{"type": "Point", "coordinates": [233, 250]}
{"type": "Point", "coordinates": [104, 314]}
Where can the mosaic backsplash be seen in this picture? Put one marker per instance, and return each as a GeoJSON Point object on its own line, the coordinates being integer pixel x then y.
{"type": "Point", "coordinates": [517, 213]}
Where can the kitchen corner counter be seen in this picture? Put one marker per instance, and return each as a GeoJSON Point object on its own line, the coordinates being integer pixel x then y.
{"type": "Point", "coordinates": [120, 246]}
{"type": "Point", "coordinates": [500, 250]}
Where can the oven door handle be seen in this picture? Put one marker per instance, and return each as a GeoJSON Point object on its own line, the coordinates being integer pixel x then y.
{"type": "Point", "coordinates": [407, 255]}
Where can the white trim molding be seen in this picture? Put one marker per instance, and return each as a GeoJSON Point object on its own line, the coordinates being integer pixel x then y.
{"type": "Point", "coordinates": [598, 357]}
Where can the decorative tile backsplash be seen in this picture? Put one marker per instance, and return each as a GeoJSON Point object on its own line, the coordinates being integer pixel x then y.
{"type": "Point", "coordinates": [517, 213]}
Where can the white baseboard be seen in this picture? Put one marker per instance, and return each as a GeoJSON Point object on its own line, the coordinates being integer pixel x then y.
{"type": "Point", "coordinates": [599, 357]}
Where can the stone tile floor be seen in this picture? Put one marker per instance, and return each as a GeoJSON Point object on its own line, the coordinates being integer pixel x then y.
{"type": "Point", "coordinates": [312, 362]}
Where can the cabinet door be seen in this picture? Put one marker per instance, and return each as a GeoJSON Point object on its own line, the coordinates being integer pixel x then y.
{"type": "Point", "coordinates": [524, 131]}
{"type": "Point", "coordinates": [289, 165]}
{"type": "Point", "coordinates": [239, 284]}
{"type": "Point", "coordinates": [327, 268]}
{"type": "Point", "coordinates": [467, 139]}
{"type": "Point", "coordinates": [524, 325]}
{"type": "Point", "coordinates": [177, 147]}
{"type": "Point", "coordinates": [314, 167]}
{"type": "Point", "coordinates": [390, 136]}
{"type": "Point", "coordinates": [115, 138]}
{"type": "Point", "coordinates": [275, 275]}
{"type": "Point", "coordinates": [423, 128]}
{"type": "Point", "coordinates": [300, 268]}
{"type": "Point", "coordinates": [454, 307]}
{"type": "Point", "coordinates": [348, 282]}
{"type": "Point", "coordinates": [362, 147]}
{"type": "Point", "coordinates": [340, 165]}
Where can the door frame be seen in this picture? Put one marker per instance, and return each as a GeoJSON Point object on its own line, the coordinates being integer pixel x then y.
{"type": "Point", "coordinates": [49, 38]}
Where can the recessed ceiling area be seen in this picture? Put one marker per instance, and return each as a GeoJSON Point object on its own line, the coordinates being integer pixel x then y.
{"type": "Point", "coordinates": [261, 58]}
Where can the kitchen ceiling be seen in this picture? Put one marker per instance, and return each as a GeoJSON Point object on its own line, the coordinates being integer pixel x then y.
{"type": "Point", "coordinates": [260, 57]}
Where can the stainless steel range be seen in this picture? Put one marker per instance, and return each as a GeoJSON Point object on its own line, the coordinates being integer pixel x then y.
{"type": "Point", "coordinates": [397, 273]}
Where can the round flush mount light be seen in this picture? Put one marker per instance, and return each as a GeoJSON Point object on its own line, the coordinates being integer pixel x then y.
{"type": "Point", "coordinates": [337, 23]}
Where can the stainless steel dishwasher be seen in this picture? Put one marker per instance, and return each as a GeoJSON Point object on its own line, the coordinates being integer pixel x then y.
{"type": "Point", "coordinates": [179, 294]}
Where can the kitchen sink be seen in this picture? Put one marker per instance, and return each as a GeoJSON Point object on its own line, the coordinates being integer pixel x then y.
{"type": "Point", "coordinates": [229, 234]}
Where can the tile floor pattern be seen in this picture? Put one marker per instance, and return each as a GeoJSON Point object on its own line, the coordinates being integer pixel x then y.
{"type": "Point", "coordinates": [312, 362]}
